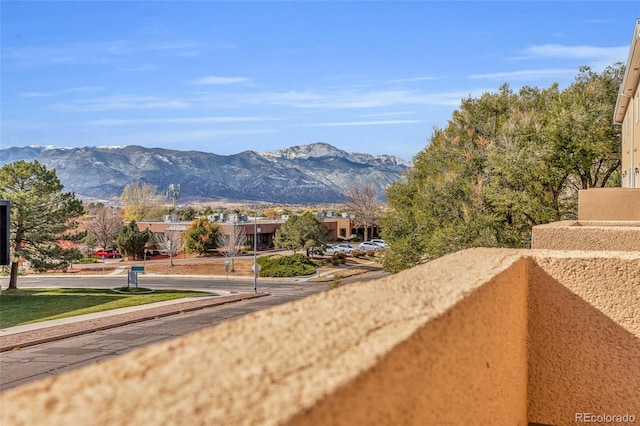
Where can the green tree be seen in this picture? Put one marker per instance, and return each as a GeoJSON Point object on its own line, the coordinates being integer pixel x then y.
{"type": "Point", "coordinates": [42, 216]}
{"type": "Point", "coordinates": [202, 236]}
{"type": "Point", "coordinates": [189, 213]}
{"type": "Point", "coordinates": [131, 241]}
{"type": "Point", "coordinates": [301, 232]}
{"type": "Point", "coordinates": [504, 163]}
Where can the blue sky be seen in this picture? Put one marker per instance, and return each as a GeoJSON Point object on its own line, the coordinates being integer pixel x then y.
{"type": "Point", "coordinates": [225, 77]}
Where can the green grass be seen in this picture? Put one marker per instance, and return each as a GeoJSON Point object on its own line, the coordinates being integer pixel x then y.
{"type": "Point", "coordinates": [24, 306]}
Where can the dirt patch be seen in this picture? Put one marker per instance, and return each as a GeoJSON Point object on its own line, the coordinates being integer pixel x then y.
{"type": "Point", "coordinates": [242, 267]}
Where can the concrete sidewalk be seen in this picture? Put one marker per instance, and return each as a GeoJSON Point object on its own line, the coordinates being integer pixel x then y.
{"type": "Point", "coordinates": [47, 331]}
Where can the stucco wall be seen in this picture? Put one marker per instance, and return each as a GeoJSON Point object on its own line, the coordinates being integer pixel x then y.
{"type": "Point", "coordinates": [609, 204]}
{"type": "Point", "coordinates": [587, 235]}
{"type": "Point", "coordinates": [584, 336]}
{"type": "Point", "coordinates": [482, 336]}
{"type": "Point", "coordinates": [427, 346]}
{"type": "Point", "coordinates": [466, 366]}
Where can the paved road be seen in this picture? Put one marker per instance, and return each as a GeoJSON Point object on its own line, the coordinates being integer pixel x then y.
{"type": "Point", "coordinates": [24, 365]}
{"type": "Point", "coordinates": [163, 281]}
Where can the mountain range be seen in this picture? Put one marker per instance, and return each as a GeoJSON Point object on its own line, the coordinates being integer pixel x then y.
{"type": "Point", "coordinates": [314, 173]}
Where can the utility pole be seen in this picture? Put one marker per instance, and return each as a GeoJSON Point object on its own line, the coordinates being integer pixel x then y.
{"type": "Point", "coordinates": [255, 253]}
{"type": "Point", "coordinates": [174, 193]}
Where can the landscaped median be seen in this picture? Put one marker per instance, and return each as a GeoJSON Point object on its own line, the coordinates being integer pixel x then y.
{"type": "Point", "coordinates": [15, 337]}
{"type": "Point", "coordinates": [25, 306]}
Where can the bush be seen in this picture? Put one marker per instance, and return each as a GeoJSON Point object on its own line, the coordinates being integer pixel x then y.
{"type": "Point", "coordinates": [86, 260]}
{"type": "Point", "coordinates": [286, 266]}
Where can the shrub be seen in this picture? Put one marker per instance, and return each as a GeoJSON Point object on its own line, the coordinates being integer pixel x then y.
{"type": "Point", "coordinates": [335, 283]}
{"type": "Point", "coordinates": [86, 260]}
{"type": "Point", "coordinates": [286, 266]}
{"type": "Point", "coordinates": [338, 258]}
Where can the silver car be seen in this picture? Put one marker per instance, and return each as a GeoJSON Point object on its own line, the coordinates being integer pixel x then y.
{"type": "Point", "coordinates": [368, 246]}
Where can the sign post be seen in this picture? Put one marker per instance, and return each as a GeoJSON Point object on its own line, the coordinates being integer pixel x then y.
{"type": "Point", "coordinates": [132, 278]}
{"type": "Point", "coordinates": [226, 269]}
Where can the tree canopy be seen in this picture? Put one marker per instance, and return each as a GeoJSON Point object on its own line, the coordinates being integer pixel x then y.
{"type": "Point", "coordinates": [301, 232]}
{"type": "Point", "coordinates": [201, 236]}
{"type": "Point", "coordinates": [140, 201]}
{"type": "Point", "coordinates": [42, 216]}
{"type": "Point", "coordinates": [104, 225]}
{"type": "Point", "coordinates": [363, 201]}
{"type": "Point", "coordinates": [132, 241]}
{"type": "Point", "coordinates": [504, 163]}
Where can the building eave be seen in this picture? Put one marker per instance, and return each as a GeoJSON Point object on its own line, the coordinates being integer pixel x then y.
{"type": "Point", "coordinates": [631, 77]}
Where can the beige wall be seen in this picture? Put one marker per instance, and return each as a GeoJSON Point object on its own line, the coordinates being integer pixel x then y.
{"type": "Point", "coordinates": [482, 336]}
{"type": "Point", "coordinates": [609, 204]}
{"type": "Point", "coordinates": [587, 235]}
{"type": "Point", "coordinates": [584, 336]}
{"type": "Point", "coordinates": [627, 113]}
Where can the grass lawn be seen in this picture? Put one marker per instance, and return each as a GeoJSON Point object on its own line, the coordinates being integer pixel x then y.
{"type": "Point", "coordinates": [26, 306]}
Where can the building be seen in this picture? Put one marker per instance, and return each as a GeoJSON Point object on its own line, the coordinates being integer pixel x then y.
{"type": "Point", "coordinates": [338, 228]}
{"type": "Point", "coordinates": [621, 204]}
{"type": "Point", "coordinates": [627, 113]}
{"type": "Point", "coordinates": [608, 218]}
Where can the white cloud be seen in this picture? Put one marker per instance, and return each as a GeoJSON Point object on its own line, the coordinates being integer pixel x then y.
{"type": "Point", "coordinates": [576, 52]}
{"type": "Point", "coordinates": [598, 58]}
{"type": "Point", "coordinates": [213, 79]}
{"type": "Point", "coordinates": [122, 103]}
{"type": "Point", "coordinates": [341, 99]}
{"type": "Point", "coordinates": [533, 74]}
{"type": "Point", "coordinates": [365, 123]}
{"type": "Point", "coordinates": [182, 120]}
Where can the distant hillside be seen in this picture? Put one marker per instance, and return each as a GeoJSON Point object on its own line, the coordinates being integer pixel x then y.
{"type": "Point", "coordinates": [315, 173]}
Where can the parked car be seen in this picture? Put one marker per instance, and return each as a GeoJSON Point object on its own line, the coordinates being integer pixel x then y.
{"type": "Point", "coordinates": [368, 246]}
{"type": "Point", "coordinates": [343, 248]}
{"type": "Point", "coordinates": [326, 249]}
{"type": "Point", "coordinates": [379, 242]}
{"type": "Point", "coordinates": [109, 254]}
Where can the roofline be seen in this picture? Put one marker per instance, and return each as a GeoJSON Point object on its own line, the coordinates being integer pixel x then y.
{"type": "Point", "coordinates": [631, 76]}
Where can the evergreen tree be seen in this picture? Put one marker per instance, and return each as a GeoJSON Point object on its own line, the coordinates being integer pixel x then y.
{"type": "Point", "coordinates": [131, 241]}
{"type": "Point", "coordinates": [504, 163]}
{"type": "Point", "coordinates": [42, 216]}
{"type": "Point", "coordinates": [301, 232]}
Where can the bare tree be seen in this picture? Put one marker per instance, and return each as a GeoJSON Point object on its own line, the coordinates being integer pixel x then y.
{"type": "Point", "coordinates": [362, 201]}
{"type": "Point", "coordinates": [232, 238]}
{"type": "Point", "coordinates": [171, 241]}
{"type": "Point", "coordinates": [104, 226]}
{"type": "Point", "coordinates": [140, 201]}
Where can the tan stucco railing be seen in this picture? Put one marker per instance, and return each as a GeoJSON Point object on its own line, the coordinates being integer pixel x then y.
{"type": "Point", "coordinates": [482, 336]}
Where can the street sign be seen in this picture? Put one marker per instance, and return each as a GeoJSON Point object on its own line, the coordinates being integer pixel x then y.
{"type": "Point", "coordinates": [132, 278]}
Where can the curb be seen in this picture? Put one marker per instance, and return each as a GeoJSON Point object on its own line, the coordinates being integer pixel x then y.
{"type": "Point", "coordinates": [50, 334]}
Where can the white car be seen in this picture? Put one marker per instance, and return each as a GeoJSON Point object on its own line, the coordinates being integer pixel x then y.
{"type": "Point", "coordinates": [368, 246]}
{"type": "Point", "coordinates": [379, 242]}
{"type": "Point", "coordinates": [343, 248]}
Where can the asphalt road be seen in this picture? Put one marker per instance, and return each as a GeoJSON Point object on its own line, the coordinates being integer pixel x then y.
{"type": "Point", "coordinates": [50, 359]}
{"type": "Point", "coordinates": [168, 282]}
